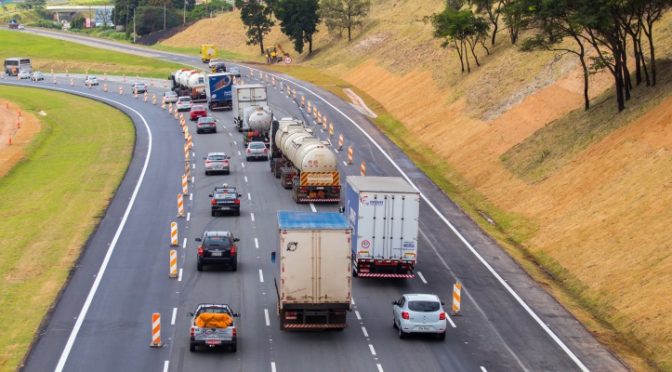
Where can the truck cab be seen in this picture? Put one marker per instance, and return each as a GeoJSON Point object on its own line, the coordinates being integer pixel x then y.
{"type": "Point", "coordinates": [213, 326]}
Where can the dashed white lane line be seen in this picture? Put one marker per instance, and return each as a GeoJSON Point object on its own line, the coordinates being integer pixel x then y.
{"type": "Point", "coordinates": [373, 351]}
{"type": "Point", "coordinates": [166, 365]}
{"type": "Point", "coordinates": [422, 277]}
{"type": "Point", "coordinates": [193, 166]}
{"type": "Point", "coordinates": [179, 276]}
{"type": "Point", "coordinates": [239, 154]}
{"type": "Point", "coordinates": [359, 317]}
{"type": "Point", "coordinates": [483, 369]}
{"type": "Point", "coordinates": [352, 300]}
{"type": "Point", "coordinates": [312, 208]}
{"type": "Point", "coordinates": [188, 216]}
{"type": "Point", "coordinates": [252, 216]}
{"type": "Point", "coordinates": [249, 196]}
{"type": "Point", "coordinates": [366, 334]}
{"type": "Point", "coordinates": [236, 144]}
{"type": "Point", "coordinates": [380, 368]}
{"type": "Point", "coordinates": [184, 243]}
{"type": "Point", "coordinates": [267, 318]}
{"type": "Point", "coordinates": [245, 179]}
{"type": "Point", "coordinates": [193, 179]}
{"type": "Point", "coordinates": [191, 196]}
{"type": "Point", "coordinates": [242, 164]}
{"type": "Point", "coordinates": [230, 134]}
{"type": "Point", "coordinates": [273, 367]}
{"type": "Point", "coordinates": [345, 163]}
{"type": "Point", "coordinates": [261, 276]}
{"type": "Point", "coordinates": [256, 243]}
{"type": "Point", "coordinates": [172, 319]}
{"type": "Point", "coordinates": [193, 154]}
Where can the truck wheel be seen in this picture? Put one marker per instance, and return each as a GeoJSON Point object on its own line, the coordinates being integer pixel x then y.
{"type": "Point", "coordinates": [238, 213]}
{"type": "Point", "coordinates": [234, 267]}
{"type": "Point", "coordinates": [199, 266]}
{"type": "Point", "coordinates": [234, 347]}
{"type": "Point", "coordinates": [192, 348]}
{"type": "Point", "coordinates": [394, 323]}
{"type": "Point", "coordinates": [213, 214]}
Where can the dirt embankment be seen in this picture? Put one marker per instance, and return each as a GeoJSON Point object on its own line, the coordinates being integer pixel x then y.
{"type": "Point", "coordinates": [17, 130]}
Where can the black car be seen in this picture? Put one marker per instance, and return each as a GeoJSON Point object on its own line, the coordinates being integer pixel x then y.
{"type": "Point", "coordinates": [225, 199]}
{"type": "Point", "coordinates": [217, 248]}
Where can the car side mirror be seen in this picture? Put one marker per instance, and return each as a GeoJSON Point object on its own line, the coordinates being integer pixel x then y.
{"type": "Point", "coordinates": [236, 315]}
{"type": "Point", "coordinates": [190, 314]}
{"type": "Point", "coordinates": [395, 303]}
{"type": "Point", "coordinates": [228, 157]}
{"type": "Point", "coordinates": [198, 239]}
{"type": "Point", "coordinates": [442, 303]}
{"type": "Point", "coordinates": [210, 195]}
{"type": "Point", "coordinates": [239, 195]}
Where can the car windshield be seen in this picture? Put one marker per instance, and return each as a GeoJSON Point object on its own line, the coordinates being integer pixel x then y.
{"type": "Point", "coordinates": [184, 99]}
{"type": "Point", "coordinates": [213, 309]}
{"type": "Point", "coordinates": [257, 145]}
{"type": "Point", "coordinates": [206, 119]}
{"type": "Point", "coordinates": [217, 157]}
{"type": "Point", "coordinates": [217, 242]}
{"type": "Point", "coordinates": [424, 306]}
{"type": "Point", "coordinates": [197, 108]}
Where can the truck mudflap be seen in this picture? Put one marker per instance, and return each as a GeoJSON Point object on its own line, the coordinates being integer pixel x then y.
{"type": "Point", "coordinates": [318, 200]}
{"type": "Point", "coordinates": [383, 269]}
{"type": "Point", "coordinates": [315, 317]}
{"type": "Point", "coordinates": [386, 275]}
{"type": "Point", "coordinates": [315, 326]}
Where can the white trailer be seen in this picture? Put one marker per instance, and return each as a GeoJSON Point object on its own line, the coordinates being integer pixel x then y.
{"type": "Point", "coordinates": [383, 213]}
{"type": "Point", "coordinates": [313, 279]}
{"type": "Point", "coordinates": [244, 96]}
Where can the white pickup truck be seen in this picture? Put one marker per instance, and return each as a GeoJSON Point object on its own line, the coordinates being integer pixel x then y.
{"type": "Point", "coordinates": [213, 325]}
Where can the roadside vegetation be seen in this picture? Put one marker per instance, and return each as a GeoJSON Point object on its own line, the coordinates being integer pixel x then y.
{"type": "Point", "coordinates": [51, 202]}
{"type": "Point", "coordinates": [59, 55]}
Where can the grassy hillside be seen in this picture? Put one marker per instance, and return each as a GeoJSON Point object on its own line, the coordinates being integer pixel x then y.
{"type": "Point", "coordinates": [584, 196]}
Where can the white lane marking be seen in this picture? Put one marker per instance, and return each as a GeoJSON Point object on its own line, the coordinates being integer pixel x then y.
{"type": "Point", "coordinates": [193, 154]}
{"type": "Point", "coordinates": [261, 276]}
{"type": "Point", "coordinates": [179, 276]}
{"type": "Point", "coordinates": [239, 154]}
{"type": "Point", "coordinates": [359, 317]}
{"type": "Point", "coordinates": [352, 300]}
{"type": "Point", "coordinates": [188, 216]}
{"type": "Point", "coordinates": [380, 368]}
{"type": "Point", "coordinates": [191, 196]}
{"type": "Point", "coordinates": [450, 321]}
{"type": "Point", "coordinates": [193, 166]}
{"type": "Point", "coordinates": [245, 179]}
{"type": "Point", "coordinates": [256, 243]}
{"type": "Point", "coordinates": [373, 351]}
{"type": "Point", "coordinates": [230, 134]}
{"type": "Point", "coordinates": [422, 277]}
{"type": "Point", "coordinates": [273, 367]}
{"type": "Point", "coordinates": [268, 319]}
{"type": "Point", "coordinates": [483, 369]}
{"type": "Point", "coordinates": [249, 197]}
{"type": "Point", "coordinates": [172, 319]}
{"type": "Point", "coordinates": [366, 334]}
{"type": "Point", "coordinates": [242, 164]}
{"type": "Point", "coordinates": [252, 216]}
{"type": "Point", "coordinates": [184, 243]}
{"type": "Point", "coordinates": [166, 365]}
{"type": "Point", "coordinates": [345, 163]}
{"type": "Point", "coordinates": [193, 179]}
{"type": "Point", "coordinates": [236, 144]}
{"type": "Point", "coordinates": [480, 258]}
{"type": "Point", "coordinates": [312, 208]}
{"type": "Point", "coordinates": [103, 266]}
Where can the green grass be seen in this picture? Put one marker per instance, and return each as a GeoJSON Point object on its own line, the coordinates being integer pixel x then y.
{"type": "Point", "coordinates": [51, 202]}
{"type": "Point", "coordinates": [47, 53]}
{"type": "Point", "coordinates": [555, 145]}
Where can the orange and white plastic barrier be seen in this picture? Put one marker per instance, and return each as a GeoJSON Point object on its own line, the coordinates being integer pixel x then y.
{"type": "Point", "coordinates": [173, 264]}
{"type": "Point", "coordinates": [362, 168]}
{"type": "Point", "coordinates": [153, 99]}
{"type": "Point", "coordinates": [303, 101]}
{"type": "Point", "coordinates": [180, 205]}
{"type": "Point", "coordinates": [315, 111]}
{"type": "Point", "coordinates": [121, 90]}
{"type": "Point", "coordinates": [72, 82]}
{"type": "Point", "coordinates": [170, 107]}
{"type": "Point", "coordinates": [331, 129]}
{"type": "Point", "coordinates": [163, 105]}
{"type": "Point", "coordinates": [190, 143]}
{"type": "Point", "coordinates": [185, 185]}
{"type": "Point", "coordinates": [187, 155]}
{"type": "Point", "coordinates": [135, 94]}
{"type": "Point", "coordinates": [156, 330]}
{"type": "Point", "coordinates": [341, 140]}
{"type": "Point", "coordinates": [145, 97]}
{"type": "Point", "coordinates": [173, 234]}
{"type": "Point", "coordinates": [350, 154]}
{"type": "Point", "coordinates": [187, 169]}
{"type": "Point", "coordinates": [457, 298]}
{"type": "Point", "coordinates": [309, 106]}
{"type": "Point", "coordinates": [294, 93]}
{"type": "Point", "coordinates": [176, 116]}
{"type": "Point", "coordinates": [289, 91]}
{"type": "Point", "coordinates": [105, 87]}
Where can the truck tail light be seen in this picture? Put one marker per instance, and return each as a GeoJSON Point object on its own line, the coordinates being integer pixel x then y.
{"type": "Point", "coordinates": [442, 315]}
{"type": "Point", "coordinates": [303, 189]}
{"type": "Point", "coordinates": [213, 202]}
{"type": "Point", "coordinates": [200, 251]}
{"type": "Point", "coordinates": [405, 315]}
{"type": "Point", "coordinates": [192, 332]}
{"type": "Point", "coordinates": [233, 250]}
{"type": "Point", "coordinates": [237, 201]}
{"type": "Point", "coordinates": [234, 333]}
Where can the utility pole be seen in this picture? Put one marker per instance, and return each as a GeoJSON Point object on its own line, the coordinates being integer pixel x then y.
{"type": "Point", "coordinates": [164, 15]}
{"type": "Point", "coordinates": [184, 13]}
{"type": "Point", "coordinates": [134, 26]}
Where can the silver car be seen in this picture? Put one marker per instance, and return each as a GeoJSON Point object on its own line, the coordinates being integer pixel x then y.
{"type": "Point", "coordinates": [91, 81]}
{"type": "Point", "coordinates": [36, 76]}
{"type": "Point", "coordinates": [256, 150]}
{"type": "Point", "coordinates": [183, 103]}
{"type": "Point", "coordinates": [217, 162]}
{"type": "Point", "coordinates": [24, 75]}
{"type": "Point", "coordinates": [419, 313]}
{"type": "Point", "coordinates": [169, 97]}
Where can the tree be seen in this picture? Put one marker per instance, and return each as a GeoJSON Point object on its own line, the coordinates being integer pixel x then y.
{"type": "Point", "coordinates": [513, 11]}
{"type": "Point", "coordinates": [298, 20]}
{"type": "Point", "coordinates": [460, 29]}
{"type": "Point", "coordinates": [652, 11]}
{"type": "Point", "coordinates": [344, 14]}
{"type": "Point", "coordinates": [257, 17]}
{"type": "Point", "coordinates": [493, 9]}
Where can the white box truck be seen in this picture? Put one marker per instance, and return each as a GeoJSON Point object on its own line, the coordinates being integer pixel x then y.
{"type": "Point", "coordinates": [383, 213]}
{"type": "Point", "coordinates": [314, 277]}
{"type": "Point", "coordinates": [244, 96]}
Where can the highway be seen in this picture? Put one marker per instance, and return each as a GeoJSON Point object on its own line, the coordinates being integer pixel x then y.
{"type": "Point", "coordinates": [102, 321]}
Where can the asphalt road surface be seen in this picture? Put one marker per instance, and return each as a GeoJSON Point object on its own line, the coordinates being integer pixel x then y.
{"type": "Point", "coordinates": [102, 321]}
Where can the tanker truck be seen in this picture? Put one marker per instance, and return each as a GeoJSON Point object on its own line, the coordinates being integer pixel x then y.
{"type": "Point", "coordinates": [259, 121]}
{"type": "Point", "coordinates": [190, 83]}
{"type": "Point", "coordinates": [305, 164]}
{"type": "Point", "coordinates": [245, 96]}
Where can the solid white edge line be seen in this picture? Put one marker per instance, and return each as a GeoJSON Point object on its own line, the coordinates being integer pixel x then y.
{"type": "Point", "coordinates": [166, 365]}
{"type": "Point", "coordinates": [506, 286]}
{"type": "Point", "coordinates": [261, 276]}
{"type": "Point", "coordinates": [359, 317]}
{"type": "Point", "coordinates": [256, 243]}
{"type": "Point", "coordinates": [312, 208]}
{"type": "Point", "coordinates": [366, 334]}
{"type": "Point", "coordinates": [273, 367]}
{"type": "Point", "coordinates": [267, 318]}
{"type": "Point", "coordinates": [103, 266]}
{"type": "Point", "coordinates": [179, 276]}
{"type": "Point", "coordinates": [422, 277]}
{"type": "Point", "coordinates": [373, 351]}
{"type": "Point", "coordinates": [172, 319]}
{"type": "Point", "coordinates": [380, 368]}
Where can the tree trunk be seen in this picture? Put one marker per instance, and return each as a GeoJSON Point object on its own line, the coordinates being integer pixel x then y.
{"type": "Point", "coordinates": [586, 73]}
{"type": "Point", "coordinates": [466, 55]}
{"type": "Point", "coordinates": [643, 61]}
{"type": "Point", "coordinates": [260, 37]}
{"type": "Point", "coordinates": [472, 46]}
{"type": "Point", "coordinates": [622, 52]}
{"type": "Point", "coordinates": [459, 53]}
{"type": "Point", "coordinates": [349, 34]}
{"type": "Point", "coordinates": [652, 53]}
{"type": "Point", "coordinates": [618, 79]}
{"type": "Point", "coordinates": [638, 64]}
{"type": "Point", "coordinates": [310, 44]}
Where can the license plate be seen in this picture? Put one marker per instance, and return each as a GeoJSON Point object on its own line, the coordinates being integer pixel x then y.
{"type": "Point", "coordinates": [213, 342]}
{"type": "Point", "coordinates": [216, 254]}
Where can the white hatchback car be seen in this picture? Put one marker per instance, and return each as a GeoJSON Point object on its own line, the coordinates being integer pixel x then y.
{"type": "Point", "coordinates": [419, 313]}
{"type": "Point", "coordinates": [91, 81]}
{"type": "Point", "coordinates": [169, 97]}
{"type": "Point", "coordinates": [183, 103]}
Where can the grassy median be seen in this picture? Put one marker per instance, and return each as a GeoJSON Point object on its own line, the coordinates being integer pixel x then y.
{"type": "Point", "coordinates": [50, 202]}
{"type": "Point", "coordinates": [49, 53]}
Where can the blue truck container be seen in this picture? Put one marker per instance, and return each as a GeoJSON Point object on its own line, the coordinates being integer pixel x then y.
{"type": "Point", "coordinates": [218, 91]}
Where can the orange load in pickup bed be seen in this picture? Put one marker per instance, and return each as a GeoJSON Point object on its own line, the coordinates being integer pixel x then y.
{"type": "Point", "coordinates": [213, 320]}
